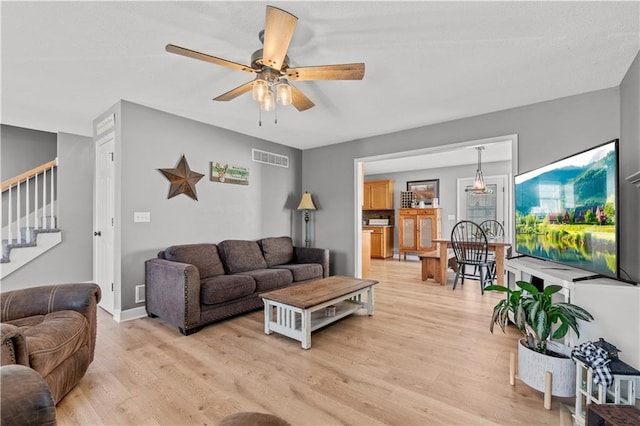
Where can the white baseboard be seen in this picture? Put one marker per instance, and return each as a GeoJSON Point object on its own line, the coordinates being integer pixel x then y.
{"type": "Point", "coordinates": [129, 314]}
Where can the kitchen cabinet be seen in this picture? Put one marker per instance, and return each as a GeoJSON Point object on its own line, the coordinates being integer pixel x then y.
{"type": "Point", "coordinates": [378, 195]}
{"type": "Point", "coordinates": [418, 229]}
{"type": "Point", "coordinates": [381, 241]}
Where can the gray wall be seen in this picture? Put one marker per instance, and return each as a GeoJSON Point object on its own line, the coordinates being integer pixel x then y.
{"type": "Point", "coordinates": [448, 187]}
{"type": "Point", "coordinates": [629, 198]}
{"type": "Point", "coordinates": [72, 260]}
{"type": "Point", "coordinates": [23, 149]}
{"type": "Point", "coordinates": [547, 131]}
{"type": "Point", "coordinates": [150, 139]}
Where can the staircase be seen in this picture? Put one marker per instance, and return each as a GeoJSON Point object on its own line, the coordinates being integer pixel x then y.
{"type": "Point", "coordinates": [27, 214]}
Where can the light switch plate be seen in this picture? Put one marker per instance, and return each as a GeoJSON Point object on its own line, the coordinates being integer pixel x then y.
{"type": "Point", "coordinates": [142, 217]}
{"type": "Point", "coordinates": [451, 217]}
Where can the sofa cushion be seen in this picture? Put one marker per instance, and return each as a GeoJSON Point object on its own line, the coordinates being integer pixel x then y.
{"type": "Point", "coordinates": [303, 271]}
{"type": "Point", "coordinates": [277, 250]}
{"type": "Point", "coordinates": [241, 256]}
{"type": "Point", "coordinates": [225, 287]}
{"type": "Point", "coordinates": [203, 256]}
{"type": "Point", "coordinates": [54, 337]}
{"type": "Point", "coordinates": [269, 279]}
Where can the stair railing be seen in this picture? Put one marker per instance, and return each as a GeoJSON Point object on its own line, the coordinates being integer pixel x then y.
{"type": "Point", "coordinates": [32, 185]}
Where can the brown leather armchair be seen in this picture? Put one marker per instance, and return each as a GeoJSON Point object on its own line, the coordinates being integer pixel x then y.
{"type": "Point", "coordinates": [52, 330]}
{"type": "Point", "coordinates": [26, 398]}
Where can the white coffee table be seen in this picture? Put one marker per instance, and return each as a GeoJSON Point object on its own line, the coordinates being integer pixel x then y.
{"type": "Point", "coordinates": [298, 310]}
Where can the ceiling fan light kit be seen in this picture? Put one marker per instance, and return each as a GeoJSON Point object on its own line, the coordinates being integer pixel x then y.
{"type": "Point", "coordinates": [268, 86]}
{"type": "Point", "coordinates": [271, 66]}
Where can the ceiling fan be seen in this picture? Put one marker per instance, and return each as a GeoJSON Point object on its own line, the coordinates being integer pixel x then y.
{"type": "Point", "coordinates": [271, 66]}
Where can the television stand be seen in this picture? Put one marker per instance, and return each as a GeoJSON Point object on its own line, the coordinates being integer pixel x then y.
{"type": "Point", "coordinates": [614, 304]}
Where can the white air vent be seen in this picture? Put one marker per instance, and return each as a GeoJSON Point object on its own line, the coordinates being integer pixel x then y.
{"type": "Point", "coordinates": [270, 158]}
{"type": "Point", "coordinates": [140, 296]}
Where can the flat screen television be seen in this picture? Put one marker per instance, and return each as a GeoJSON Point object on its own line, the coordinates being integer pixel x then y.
{"type": "Point", "coordinates": [566, 211]}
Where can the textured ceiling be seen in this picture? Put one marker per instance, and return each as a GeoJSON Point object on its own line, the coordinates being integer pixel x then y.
{"type": "Point", "coordinates": [64, 63]}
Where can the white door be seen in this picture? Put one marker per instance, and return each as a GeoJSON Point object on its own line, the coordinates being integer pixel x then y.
{"type": "Point", "coordinates": [104, 209]}
{"type": "Point", "coordinates": [480, 207]}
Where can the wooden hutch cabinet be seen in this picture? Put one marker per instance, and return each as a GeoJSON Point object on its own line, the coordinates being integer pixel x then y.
{"type": "Point", "coordinates": [378, 195]}
{"type": "Point", "coordinates": [417, 230]}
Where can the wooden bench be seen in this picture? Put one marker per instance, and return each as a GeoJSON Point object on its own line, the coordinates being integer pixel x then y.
{"type": "Point", "coordinates": [614, 415]}
{"type": "Point", "coordinates": [431, 264]}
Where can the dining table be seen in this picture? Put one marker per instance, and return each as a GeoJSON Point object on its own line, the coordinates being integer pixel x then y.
{"type": "Point", "coordinates": [497, 245]}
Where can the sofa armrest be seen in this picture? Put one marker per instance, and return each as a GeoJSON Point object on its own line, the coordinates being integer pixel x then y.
{"type": "Point", "coordinates": [172, 292]}
{"type": "Point", "coordinates": [14, 346]}
{"type": "Point", "coordinates": [79, 297]}
{"type": "Point", "coordinates": [26, 397]}
{"type": "Point", "coordinates": [313, 255]}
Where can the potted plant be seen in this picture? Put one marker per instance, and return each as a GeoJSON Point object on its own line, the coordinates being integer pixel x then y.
{"type": "Point", "coordinates": [535, 314]}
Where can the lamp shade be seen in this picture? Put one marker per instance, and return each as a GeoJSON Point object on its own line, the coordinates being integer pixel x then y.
{"type": "Point", "coordinates": [259, 90]}
{"type": "Point", "coordinates": [268, 103]}
{"type": "Point", "coordinates": [306, 203]}
{"type": "Point", "coordinates": [283, 92]}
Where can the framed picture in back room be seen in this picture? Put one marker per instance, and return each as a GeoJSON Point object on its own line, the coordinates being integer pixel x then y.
{"type": "Point", "coordinates": [424, 190]}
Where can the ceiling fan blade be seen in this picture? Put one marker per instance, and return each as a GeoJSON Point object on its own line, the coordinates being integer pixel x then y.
{"type": "Point", "coordinates": [278, 31]}
{"type": "Point", "coordinates": [234, 93]}
{"type": "Point", "coordinates": [299, 100]}
{"type": "Point", "coordinates": [328, 72]}
{"type": "Point", "coordinates": [172, 48]}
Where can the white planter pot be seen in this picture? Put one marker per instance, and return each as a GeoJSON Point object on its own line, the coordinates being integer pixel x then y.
{"type": "Point", "coordinates": [532, 366]}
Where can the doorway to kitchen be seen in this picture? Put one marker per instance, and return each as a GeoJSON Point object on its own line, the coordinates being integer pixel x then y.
{"type": "Point", "coordinates": [455, 156]}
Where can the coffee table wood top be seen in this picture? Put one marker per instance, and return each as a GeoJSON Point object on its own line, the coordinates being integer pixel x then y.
{"type": "Point", "coordinates": [306, 295]}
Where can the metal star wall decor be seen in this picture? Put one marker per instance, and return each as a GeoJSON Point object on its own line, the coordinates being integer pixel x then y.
{"type": "Point", "coordinates": [183, 180]}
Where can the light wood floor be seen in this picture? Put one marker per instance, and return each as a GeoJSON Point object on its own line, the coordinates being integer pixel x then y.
{"type": "Point", "coordinates": [425, 358]}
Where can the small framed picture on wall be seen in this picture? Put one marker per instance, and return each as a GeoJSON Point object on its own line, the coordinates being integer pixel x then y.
{"type": "Point", "coordinates": [424, 190]}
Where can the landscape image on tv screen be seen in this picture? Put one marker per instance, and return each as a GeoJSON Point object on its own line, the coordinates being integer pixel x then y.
{"type": "Point", "coordinates": [566, 211]}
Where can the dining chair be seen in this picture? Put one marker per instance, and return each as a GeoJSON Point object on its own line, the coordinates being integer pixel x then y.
{"type": "Point", "coordinates": [493, 229]}
{"type": "Point", "coordinates": [470, 246]}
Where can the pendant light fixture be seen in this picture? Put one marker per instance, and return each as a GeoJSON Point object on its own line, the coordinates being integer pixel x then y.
{"type": "Point", "coordinates": [479, 187]}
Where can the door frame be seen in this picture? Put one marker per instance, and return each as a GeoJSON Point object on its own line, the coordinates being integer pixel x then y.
{"type": "Point", "coordinates": [109, 299]}
{"type": "Point", "coordinates": [360, 163]}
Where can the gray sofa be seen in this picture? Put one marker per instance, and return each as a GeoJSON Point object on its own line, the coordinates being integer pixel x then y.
{"type": "Point", "coordinates": [192, 285]}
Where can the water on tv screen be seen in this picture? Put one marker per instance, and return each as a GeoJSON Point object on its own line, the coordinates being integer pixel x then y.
{"type": "Point", "coordinates": [566, 211]}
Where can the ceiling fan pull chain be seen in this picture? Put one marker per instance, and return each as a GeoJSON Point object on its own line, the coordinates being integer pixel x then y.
{"type": "Point", "coordinates": [259, 116]}
{"type": "Point", "coordinates": [275, 111]}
